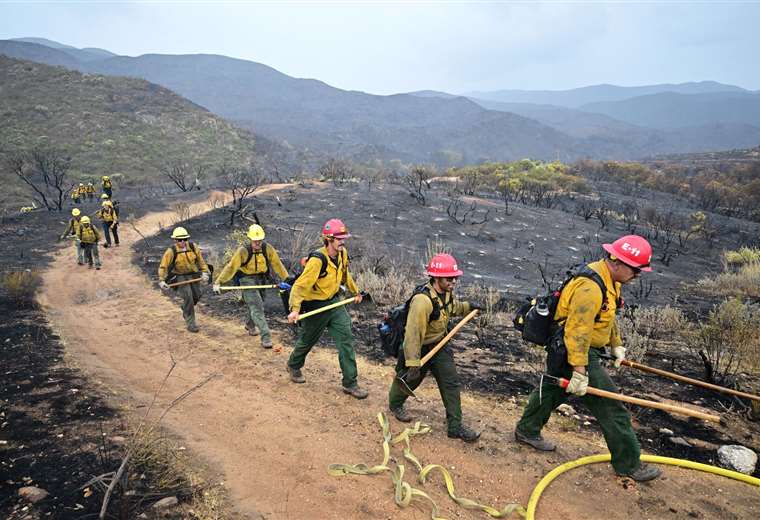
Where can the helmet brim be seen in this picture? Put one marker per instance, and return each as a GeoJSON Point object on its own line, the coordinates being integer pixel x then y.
{"type": "Point", "coordinates": [339, 236]}
{"type": "Point", "coordinates": [449, 274]}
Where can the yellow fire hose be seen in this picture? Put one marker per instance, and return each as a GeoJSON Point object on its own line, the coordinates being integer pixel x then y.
{"type": "Point", "coordinates": [404, 493]}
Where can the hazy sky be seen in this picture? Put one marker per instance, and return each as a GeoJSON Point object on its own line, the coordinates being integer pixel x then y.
{"type": "Point", "coordinates": [385, 47]}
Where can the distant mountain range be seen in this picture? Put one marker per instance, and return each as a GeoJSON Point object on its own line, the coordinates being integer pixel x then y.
{"type": "Point", "coordinates": [593, 122]}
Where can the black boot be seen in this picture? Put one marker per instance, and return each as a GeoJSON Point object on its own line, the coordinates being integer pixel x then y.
{"type": "Point", "coordinates": [464, 433]}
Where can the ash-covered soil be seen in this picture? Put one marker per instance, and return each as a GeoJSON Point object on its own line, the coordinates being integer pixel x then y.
{"type": "Point", "coordinates": [505, 253]}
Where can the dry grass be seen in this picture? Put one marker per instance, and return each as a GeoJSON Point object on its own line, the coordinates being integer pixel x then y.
{"type": "Point", "coordinates": [21, 287]}
{"type": "Point", "coordinates": [744, 282]}
{"type": "Point", "coordinates": [740, 257]}
{"type": "Point", "coordinates": [642, 327]}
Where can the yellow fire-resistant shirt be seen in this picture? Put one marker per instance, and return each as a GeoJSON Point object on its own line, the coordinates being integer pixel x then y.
{"type": "Point", "coordinates": [309, 286]}
{"type": "Point", "coordinates": [188, 261]}
{"type": "Point", "coordinates": [88, 234]}
{"type": "Point", "coordinates": [256, 265]}
{"type": "Point", "coordinates": [420, 331]}
{"type": "Point", "coordinates": [579, 305]}
{"type": "Point", "coordinates": [107, 213]}
{"type": "Point", "coordinates": [73, 227]}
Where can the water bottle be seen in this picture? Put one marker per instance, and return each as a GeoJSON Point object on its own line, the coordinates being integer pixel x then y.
{"type": "Point", "coordinates": [384, 328]}
{"type": "Point", "coordinates": [542, 308]}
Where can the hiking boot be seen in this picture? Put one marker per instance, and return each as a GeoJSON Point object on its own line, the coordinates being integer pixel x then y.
{"type": "Point", "coordinates": [643, 473]}
{"type": "Point", "coordinates": [402, 414]}
{"type": "Point", "coordinates": [536, 442]}
{"type": "Point", "coordinates": [97, 268]}
{"type": "Point", "coordinates": [355, 391]}
{"type": "Point", "coordinates": [295, 375]}
{"type": "Point", "coordinates": [251, 328]}
{"type": "Point", "coordinates": [193, 328]}
{"type": "Point", "coordinates": [464, 433]}
{"type": "Point", "coordinates": [266, 343]}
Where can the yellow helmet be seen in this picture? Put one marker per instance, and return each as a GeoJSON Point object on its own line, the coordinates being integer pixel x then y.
{"type": "Point", "coordinates": [180, 233]}
{"type": "Point", "coordinates": [85, 220]}
{"type": "Point", "coordinates": [75, 212]}
{"type": "Point", "coordinates": [81, 184]}
{"type": "Point", "coordinates": [104, 178]}
{"type": "Point", "coordinates": [89, 184]}
{"type": "Point", "coordinates": [256, 232]}
{"type": "Point", "coordinates": [104, 196]}
{"type": "Point", "coordinates": [106, 203]}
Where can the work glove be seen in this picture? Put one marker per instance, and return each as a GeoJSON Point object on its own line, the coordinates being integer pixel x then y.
{"type": "Point", "coordinates": [412, 374]}
{"type": "Point", "coordinates": [476, 306]}
{"type": "Point", "coordinates": [293, 317]}
{"type": "Point", "coordinates": [619, 354]}
{"type": "Point", "coordinates": [358, 298]}
{"type": "Point", "coordinates": [217, 288]}
{"type": "Point", "coordinates": [284, 286]}
{"type": "Point", "coordinates": [163, 285]}
{"type": "Point", "coordinates": [204, 276]}
{"type": "Point", "coordinates": [578, 384]}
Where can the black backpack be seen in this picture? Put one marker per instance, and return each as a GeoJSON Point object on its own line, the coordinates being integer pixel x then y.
{"type": "Point", "coordinates": [393, 324]}
{"type": "Point", "coordinates": [285, 293]}
{"type": "Point", "coordinates": [535, 319]}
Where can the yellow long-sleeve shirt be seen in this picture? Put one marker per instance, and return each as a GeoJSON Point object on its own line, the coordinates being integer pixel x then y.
{"type": "Point", "coordinates": [73, 227]}
{"type": "Point", "coordinates": [189, 260]}
{"type": "Point", "coordinates": [107, 213]}
{"type": "Point", "coordinates": [420, 331]}
{"type": "Point", "coordinates": [579, 305]}
{"type": "Point", "coordinates": [309, 286]}
{"type": "Point", "coordinates": [256, 265]}
{"type": "Point", "coordinates": [88, 234]}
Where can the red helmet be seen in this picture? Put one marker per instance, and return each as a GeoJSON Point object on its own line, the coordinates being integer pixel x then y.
{"type": "Point", "coordinates": [632, 250]}
{"type": "Point", "coordinates": [335, 228]}
{"type": "Point", "coordinates": [443, 265]}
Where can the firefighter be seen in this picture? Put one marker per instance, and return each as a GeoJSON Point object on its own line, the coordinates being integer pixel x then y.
{"type": "Point", "coordinates": [426, 324]}
{"type": "Point", "coordinates": [73, 230]}
{"type": "Point", "coordinates": [318, 286]}
{"type": "Point", "coordinates": [88, 237]}
{"type": "Point", "coordinates": [107, 186]}
{"type": "Point", "coordinates": [109, 221]}
{"type": "Point", "coordinates": [253, 264]}
{"type": "Point", "coordinates": [183, 261]}
{"type": "Point", "coordinates": [586, 324]}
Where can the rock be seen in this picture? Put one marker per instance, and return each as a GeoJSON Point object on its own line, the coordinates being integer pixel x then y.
{"type": "Point", "coordinates": [737, 458]}
{"type": "Point", "coordinates": [166, 503]}
{"type": "Point", "coordinates": [699, 443]}
{"type": "Point", "coordinates": [679, 441]}
{"type": "Point", "coordinates": [32, 494]}
{"type": "Point", "coordinates": [118, 439]}
{"type": "Point", "coordinates": [566, 409]}
{"type": "Point", "coordinates": [665, 431]}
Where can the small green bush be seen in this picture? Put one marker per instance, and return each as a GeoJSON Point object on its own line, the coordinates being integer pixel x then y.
{"type": "Point", "coordinates": [743, 256]}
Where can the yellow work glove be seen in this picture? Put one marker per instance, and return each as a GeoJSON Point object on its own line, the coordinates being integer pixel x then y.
{"type": "Point", "coordinates": [619, 354]}
{"type": "Point", "coordinates": [578, 384]}
{"type": "Point", "coordinates": [204, 276]}
{"type": "Point", "coordinates": [163, 285]}
{"type": "Point", "coordinates": [217, 288]}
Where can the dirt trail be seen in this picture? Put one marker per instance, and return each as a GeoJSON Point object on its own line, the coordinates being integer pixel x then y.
{"type": "Point", "coordinates": [272, 440]}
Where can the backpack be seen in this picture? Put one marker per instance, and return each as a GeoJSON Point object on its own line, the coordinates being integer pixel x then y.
{"type": "Point", "coordinates": [285, 293]}
{"type": "Point", "coordinates": [115, 204]}
{"type": "Point", "coordinates": [535, 319]}
{"type": "Point", "coordinates": [393, 324]}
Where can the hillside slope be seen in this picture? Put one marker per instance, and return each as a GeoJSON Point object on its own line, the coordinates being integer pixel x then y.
{"type": "Point", "coordinates": [110, 124]}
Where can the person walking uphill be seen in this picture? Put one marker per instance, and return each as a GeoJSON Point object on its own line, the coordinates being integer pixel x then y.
{"type": "Point", "coordinates": [107, 186]}
{"type": "Point", "coordinates": [88, 237]}
{"type": "Point", "coordinates": [318, 286]}
{"type": "Point", "coordinates": [585, 324]}
{"type": "Point", "coordinates": [183, 261]}
{"type": "Point", "coordinates": [109, 221]}
{"type": "Point", "coordinates": [73, 230]}
{"type": "Point", "coordinates": [253, 265]}
{"type": "Point", "coordinates": [427, 323]}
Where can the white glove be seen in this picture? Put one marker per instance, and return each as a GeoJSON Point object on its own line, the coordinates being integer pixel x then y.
{"type": "Point", "coordinates": [163, 285]}
{"type": "Point", "coordinates": [578, 384]}
{"type": "Point", "coordinates": [216, 288]}
{"type": "Point", "coordinates": [619, 354]}
{"type": "Point", "coordinates": [204, 276]}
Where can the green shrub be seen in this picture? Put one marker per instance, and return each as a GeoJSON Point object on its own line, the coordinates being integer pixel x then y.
{"type": "Point", "coordinates": [743, 256]}
{"type": "Point", "coordinates": [744, 283]}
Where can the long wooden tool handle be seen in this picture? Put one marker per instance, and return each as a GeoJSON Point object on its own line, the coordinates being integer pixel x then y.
{"type": "Point", "coordinates": [185, 282]}
{"type": "Point", "coordinates": [244, 287]}
{"type": "Point", "coordinates": [448, 336]}
{"type": "Point", "coordinates": [325, 308]}
{"type": "Point", "coordinates": [644, 402]}
{"type": "Point", "coordinates": [684, 379]}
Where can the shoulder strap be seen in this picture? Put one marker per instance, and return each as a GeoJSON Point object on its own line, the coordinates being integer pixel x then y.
{"type": "Point", "coordinates": [323, 259]}
{"type": "Point", "coordinates": [586, 272]}
{"type": "Point", "coordinates": [249, 250]}
{"type": "Point", "coordinates": [424, 289]}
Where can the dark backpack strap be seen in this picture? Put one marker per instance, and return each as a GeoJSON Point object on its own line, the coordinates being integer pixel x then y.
{"type": "Point", "coordinates": [587, 272]}
{"type": "Point", "coordinates": [424, 289]}
{"type": "Point", "coordinates": [323, 259]}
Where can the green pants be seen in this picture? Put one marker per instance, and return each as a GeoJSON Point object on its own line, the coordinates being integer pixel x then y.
{"type": "Point", "coordinates": [252, 299]}
{"type": "Point", "coordinates": [338, 325]}
{"type": "Point", "coordinates": [190, 294]}
{"type": "Point", "coordinates": [445, 373]}
{"type": "Point", "coordinates": [612, 416]}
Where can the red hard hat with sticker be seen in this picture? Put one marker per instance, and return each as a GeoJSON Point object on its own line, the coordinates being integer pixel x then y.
{"type": "Point", "coordinates": [443, 265]}
{"type": "Point", "coordinates": [632, 250]}
{"type": "Point", "coordinates": [335, 228]}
